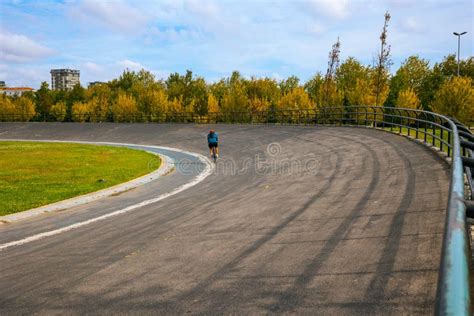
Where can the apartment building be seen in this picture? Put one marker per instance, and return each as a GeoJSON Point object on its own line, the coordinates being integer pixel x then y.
{"type": "Point", "coordinates": [64, 79]}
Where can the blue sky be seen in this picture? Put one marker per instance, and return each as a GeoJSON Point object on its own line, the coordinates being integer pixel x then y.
{"type": "Point", "coordinates": [212, 38]}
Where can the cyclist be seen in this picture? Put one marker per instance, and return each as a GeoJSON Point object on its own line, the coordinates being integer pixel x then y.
{"type": "Point", "coordinates": [212, 141]}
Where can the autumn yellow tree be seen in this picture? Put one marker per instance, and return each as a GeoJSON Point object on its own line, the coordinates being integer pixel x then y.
{"type": "Point", "coordinates": [98, 109]}
{"type": "Point", "coordinates": [213, 108]}
{"type": "Point", "coordinates": [157, 104]}
{"type": "Point", "coordinates": [58, 111]}
{"type": "Point", "coordinates": [7, 109]}
{"type": "Point", "coordinates": [80, 111]}
{"type": "Point", "coordinates": [456, 98]}
{"type": "Point", "coordinates": [296, 99]}
{"type": "Point", "coordinates": [124, 108]}
{"type": "Point", "coordinates": [408, 99]}
{"type": "Point", "coordinates": [24, 108]}
{"type": "Point", "coordinates": [235, 100]}
{"type": "Point", "coordinates": [296, 103]}
{"type": "Point", "coordinates": [98, 103]}
{"type": "Point", "coordinates": [212, 104]}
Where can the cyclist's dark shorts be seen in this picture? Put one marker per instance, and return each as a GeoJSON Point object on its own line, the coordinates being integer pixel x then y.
{"type": "Point", "coordinates": [212, 145]}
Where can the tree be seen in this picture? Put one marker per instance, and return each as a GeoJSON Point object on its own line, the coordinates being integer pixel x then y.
{"type": "Point", "coordinates": [157, 104]}
{"type": "Point", "coordinates": [383, 63]}
{"type": "Point", "coordinates": [44, 100]}
{"type": "Point", "coordinates": [24, 108]}
{"type": "Point", "coordinates": [77, 94]}
{"type": "Point", "coordinates": [199, 96]}
{"type": "Point", "coordinates": [58, 111]}
{"type": "Point", "coordinates": [412, 74]}
{"type": "Point", "coordinates": [456, 98]}
{"type": "Point", "coordinates": [176, 110]}
{"type": "Point", "coordinates": [442, 72]}
{"type": "Point", "coordinates": [296, 99]}
{"type": "Point", "coordinates": [330, 88]}
{"type": "Point", "coordinates": [80, 111]}
{"type": "Point", "coordinates": [349, 76]}
{"type": "Point", "coordinates": [235, 99]}
{"type": "Point", "coordinates": [99, 101]}
{"type": "Point", "coordinates": [212, 104]}
{"type": "Point", "coordinates": [125, 108]}
{"type": "Point", "coordinates": [407, 99]}
{"type": "Point", "coordinates": [313, 88]}
{"type": "Point", "coordinates": [287, 85]}
{"type": "Point", "coordinates": [265, 91]}
{"type": "Point", "coordinates": [7, 109]}
{"type": "Point", "coordinates": [218, 90]}
{"type": "Point", "coordinates": [180, 87]}
{"type": "Point", "coordinates": [259, 105]}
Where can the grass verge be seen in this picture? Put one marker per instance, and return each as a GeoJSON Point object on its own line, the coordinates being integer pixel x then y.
{"type": "Point", "coordinates": [426, 137]}
{"type": "Point", "coordinates": [33, 174]}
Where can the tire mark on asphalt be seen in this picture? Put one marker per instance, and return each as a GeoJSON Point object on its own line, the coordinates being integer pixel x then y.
{"type": "Point", "coordinates": [291, 298]}
{"type": "Point", "coordinates": [376, 288]}
{"type": "Point", "coordinates": [241, 283]}
{"type": "Point", "coordinates": [200, 287]}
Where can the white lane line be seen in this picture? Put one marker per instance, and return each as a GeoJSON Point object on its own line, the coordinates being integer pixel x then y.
{"type": "Point", "coordinates": [200, 177]}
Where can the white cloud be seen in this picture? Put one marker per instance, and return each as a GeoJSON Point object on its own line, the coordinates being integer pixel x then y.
{"type": "Point", "coordinates": [411, 25]}
{"type": "Point", "coordinates": [92, 67]}
{"type": "Point", "coordinates": [24, 75]}
{"type": "Point", "coordinates": [132, 65]}
{"type": "Point", "coordinates": [115, 15]}
{"type": "Point", "coordinates": [19, 48]}
{"type": "Point", "coordinates": [315, 28]}
{"type": "Point", "coordinates": [203, 8]}
{"type": "Point", "coordinates": [332, 8]}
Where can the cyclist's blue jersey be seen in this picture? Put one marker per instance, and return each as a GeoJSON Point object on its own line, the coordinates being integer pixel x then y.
{"type": "Point", "coordinates": [212, 138]}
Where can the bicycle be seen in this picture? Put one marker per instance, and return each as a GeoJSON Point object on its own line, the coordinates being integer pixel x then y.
{"type": "Point", "coordinates": [214, 154]}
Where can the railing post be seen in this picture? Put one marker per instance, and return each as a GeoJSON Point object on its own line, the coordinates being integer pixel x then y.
{"type": "Point", "coordinates": [400, 125]}
{"type": "Point", "coordinates": [426, 119]}
{"type": "Point", "coordinates": [417, 126]}
{"type": "Point", "coordinates": [366, 115]}
{"type": "Point", "coordinates": [450, 144]}
{"type": "Point", "coordinates": [441, 141]}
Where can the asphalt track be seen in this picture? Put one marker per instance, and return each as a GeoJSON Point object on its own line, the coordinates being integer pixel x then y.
{"type": "Point", "coordinates": [313, 220]}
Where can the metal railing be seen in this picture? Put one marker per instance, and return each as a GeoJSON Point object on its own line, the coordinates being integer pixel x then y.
{"type": "Point", "coordinates": [453, 293]}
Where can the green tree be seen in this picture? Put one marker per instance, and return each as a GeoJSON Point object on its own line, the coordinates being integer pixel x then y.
{"type": "Point", "coordinates": [313, 89]}
{"type": "Point", "coordinates": [199, 96]}
{"type": "Point", "coordinates": [44, 100]}
{"type": "Point", "coordinates": [262, 93]}
{"type": "Point", "coordinates": [287, 85]}
{"type": "Point", "coordinates": [349, 76]}
{"type": "Point", "coordinates": [413, 74]}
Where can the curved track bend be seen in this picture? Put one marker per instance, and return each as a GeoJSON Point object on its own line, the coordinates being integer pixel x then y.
{"type": "Point", "coordinates": [325, 220]}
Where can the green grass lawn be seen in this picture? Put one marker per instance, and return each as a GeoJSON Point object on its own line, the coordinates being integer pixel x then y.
{"type": "Point", "coordinates": [421, 135]}
{"type": "Point", "coordinates": [34, 173]}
